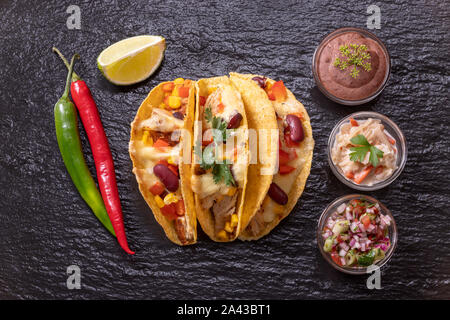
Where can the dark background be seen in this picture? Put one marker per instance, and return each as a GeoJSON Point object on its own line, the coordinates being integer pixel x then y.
{"type": "Point", "coordinates": [45, 226]}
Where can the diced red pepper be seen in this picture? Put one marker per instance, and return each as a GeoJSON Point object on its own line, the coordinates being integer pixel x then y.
{"type": "Point", "coordinates": [160, 144]}
{"type": "Point", "coordinates": [166, 100]}
{"type": "Point", "coordinates": [350, 175]}
{"type": "Point", "coordinates": [284, 157]}
{"type": "Point", "coordinates": [202, 100]}
{"type": "Point", "coordinates": [168, 87]}
{"type": "Point", "coordinates": [353, 122]}
{"type": "Point", "coordinates": [183, 92]}
{"type": "Point", "coordinates": [279, 91]}
{"type": "Point", "coordinates": [163, 162]}
{"type": "Point", "coordinates": [173, 168]}
{"type": "Point", "coordinates": [180, 208]}
{"type": "Point", "coordinates": [157, 188]}
{"type": "Point", "coordinates": [170, 211]}
{"type": "Point", "coordinates": [363, 174]}
{"type": "Point", "coordinates": [220, 107]}
{"type": "Point", "coordinates": [285, 169]}
{"type": "Point", "coordinates": [271, 95]}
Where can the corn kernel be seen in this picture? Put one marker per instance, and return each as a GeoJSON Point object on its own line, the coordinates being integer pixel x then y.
{"type": "Point", "coordinates": [159, 201]}
{"type": "Point", "coordinates": [178, 81]}
{"type": "Point", "coordinates": [234, 220]}
{"type": "Point", "coordinates": [222, 235]}
{"type": "Point", "coordinates": [175, 92]}
{"type": "Point", "coordinates": [171, 160]}
{"type": "Point", "coordinates": [162, 105]}
{"type": "Point", "coordinates": [231, 191]}
{"type": "Point", "coordinates": [170, 198]}
{"type": "Point", "coordinates": [268, 85]}
{"type": "Point", "coordinates": [228, 227]}
{"type": "Point", "coordinates": [211, 90]}
{"type": "Point", "coordinates": [174, 102]}
{"type": "Point", "coordinates": [145, 136]}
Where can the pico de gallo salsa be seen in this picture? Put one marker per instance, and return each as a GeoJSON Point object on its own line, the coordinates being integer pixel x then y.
{"type": "Point", "coordinates": [356, 234]}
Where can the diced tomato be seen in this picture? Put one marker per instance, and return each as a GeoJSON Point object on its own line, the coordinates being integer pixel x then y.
{"type": "Point", "coordinates": [202, 100]}
{"type": "Point", "coordinates": [207, 138]}
{"type": "Point", "coordinates": [271, 95]}
{"type": "Point", "coordinates": [180, 208]}
{"type": "Point", "coordinates": [157, 188]}
{"type": "Point", "coordinates": [168, 87]}
{"type": "Point", "coordinates": [355, 202]}
{"type": "Point", "coordinates": [285, 169]}
{"type": "Point", "coordinates": [366, 221]}
{"type": "Point", "coordinates": [289, 142]}
{"type": "Point", "coordinates": [279, 91]}
{"type": "Point", "coordinates": [284, 157]}
{"type": "Point", "coordinates": [353, 122]}
{"type": "Point", "coordinates": [220, 107]}
{"type": "Point", "coordinates": [358, 210]}
{"type": "Point", "coordinates": [170, 211]}
{"type": "Point", "coordinates": [363, 174]}
{"type": "Point", "coordinates": [335, 257]}
{"type": "Point", "coordinates": [173, 168]}
{"type": "Point", "coordinates": [160, 144]}
{"type": "Point", "coordinates": [339, 239]}
{"type": "Point", "coordinates": [183, 92]}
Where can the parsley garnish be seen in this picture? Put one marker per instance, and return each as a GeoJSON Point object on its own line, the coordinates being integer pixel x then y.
{"type": "Point", "coordinates": [359, 153]}
{"type": "Point", "coordinates": [356, 56]}
{"type": "Point", "coordinates": [220, 171]}
{"type": "Point", "coordinates": [218, 124]}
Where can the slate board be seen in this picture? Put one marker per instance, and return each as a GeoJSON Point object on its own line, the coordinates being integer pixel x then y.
{"type": "Point", "coordinates": [45, 226]}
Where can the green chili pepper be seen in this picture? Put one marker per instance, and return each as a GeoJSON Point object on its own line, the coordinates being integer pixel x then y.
{"type": "Point", "coordinates": [69, 142]}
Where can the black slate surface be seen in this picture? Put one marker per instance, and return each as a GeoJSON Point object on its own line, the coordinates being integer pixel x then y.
{"type": "Point", "coordinates": [45, 226]}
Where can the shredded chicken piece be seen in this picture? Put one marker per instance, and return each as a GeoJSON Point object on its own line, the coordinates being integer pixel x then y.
{"type": "Point", "coordinates": [223, 210]}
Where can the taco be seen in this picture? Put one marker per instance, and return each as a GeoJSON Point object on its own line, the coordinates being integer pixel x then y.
{"type": "Point", "coordinates": [263, 150]}
{"type": "Point", "coordinates": [296, 146]}
{"type": "Point", "coordinates": [219, 169]}
{"type": "Point", "coordinates": [160, 141]}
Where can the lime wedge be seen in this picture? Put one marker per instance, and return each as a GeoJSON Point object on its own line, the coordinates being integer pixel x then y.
{"type": "Point", "coordinates": [132, 60]}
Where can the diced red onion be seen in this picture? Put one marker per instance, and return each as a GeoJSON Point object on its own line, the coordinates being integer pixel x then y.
{"type": "Point", "coordinates": [352, 242]}
{"type": "Point", "coordinates": [349, 216]}
{"type": "Point", "coordinates": [370, 228]}
{"type": "Point", "coordinates": [341, 208]}
{"type": "Point", "coordinates": [343, 261]}
{"type": "Point", "coordinates": [342, 253]}
{"type": "Point", "coordinates": [363, 246]}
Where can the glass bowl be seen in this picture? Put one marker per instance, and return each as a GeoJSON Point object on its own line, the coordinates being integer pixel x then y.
{"type": "Point", "coordinates": [391, 128]}
{"type": "Point", "coordinates": [331, 208]}
{"type": "Point", "coordinates": [318, 51]}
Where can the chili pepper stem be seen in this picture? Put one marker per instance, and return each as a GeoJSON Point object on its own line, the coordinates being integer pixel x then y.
{"type": "Point", "coordinates": [75, 77]}
{"type": "Point", "coordinates": [69, 76]}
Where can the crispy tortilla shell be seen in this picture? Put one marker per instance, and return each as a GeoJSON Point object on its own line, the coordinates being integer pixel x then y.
{"type": "Point", "coordinates": [204, 216]}
{"type": "Point", "coordinates": [307, 147]}
{"type": "Point", "coordinates": [153, 100]}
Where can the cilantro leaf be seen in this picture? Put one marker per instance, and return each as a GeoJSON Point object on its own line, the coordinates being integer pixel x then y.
{"type": "Point", "coordinates": [222, 172]}
{"type": "Point", "coordinates": [217, 123]}
{"type": "Point", "coordinates": [363, 146]}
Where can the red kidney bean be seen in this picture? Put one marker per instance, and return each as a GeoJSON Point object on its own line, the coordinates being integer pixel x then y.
{"type": "Point", "coordinates": [178, 115]}
{"type": "Point", "coordinates": [277, 194]}
{"type": "Point", "coordinates": [261, 81]}
{"type": "Point", "coordinates": [167, 177]}
{"type": "Point", "coordinates": [295, 128]}
{"type": "Point", "coordinates": [235, 121]}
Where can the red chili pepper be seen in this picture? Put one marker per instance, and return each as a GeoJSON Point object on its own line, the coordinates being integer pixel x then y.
{"type": "Point", "coordinates": [104, 164]}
